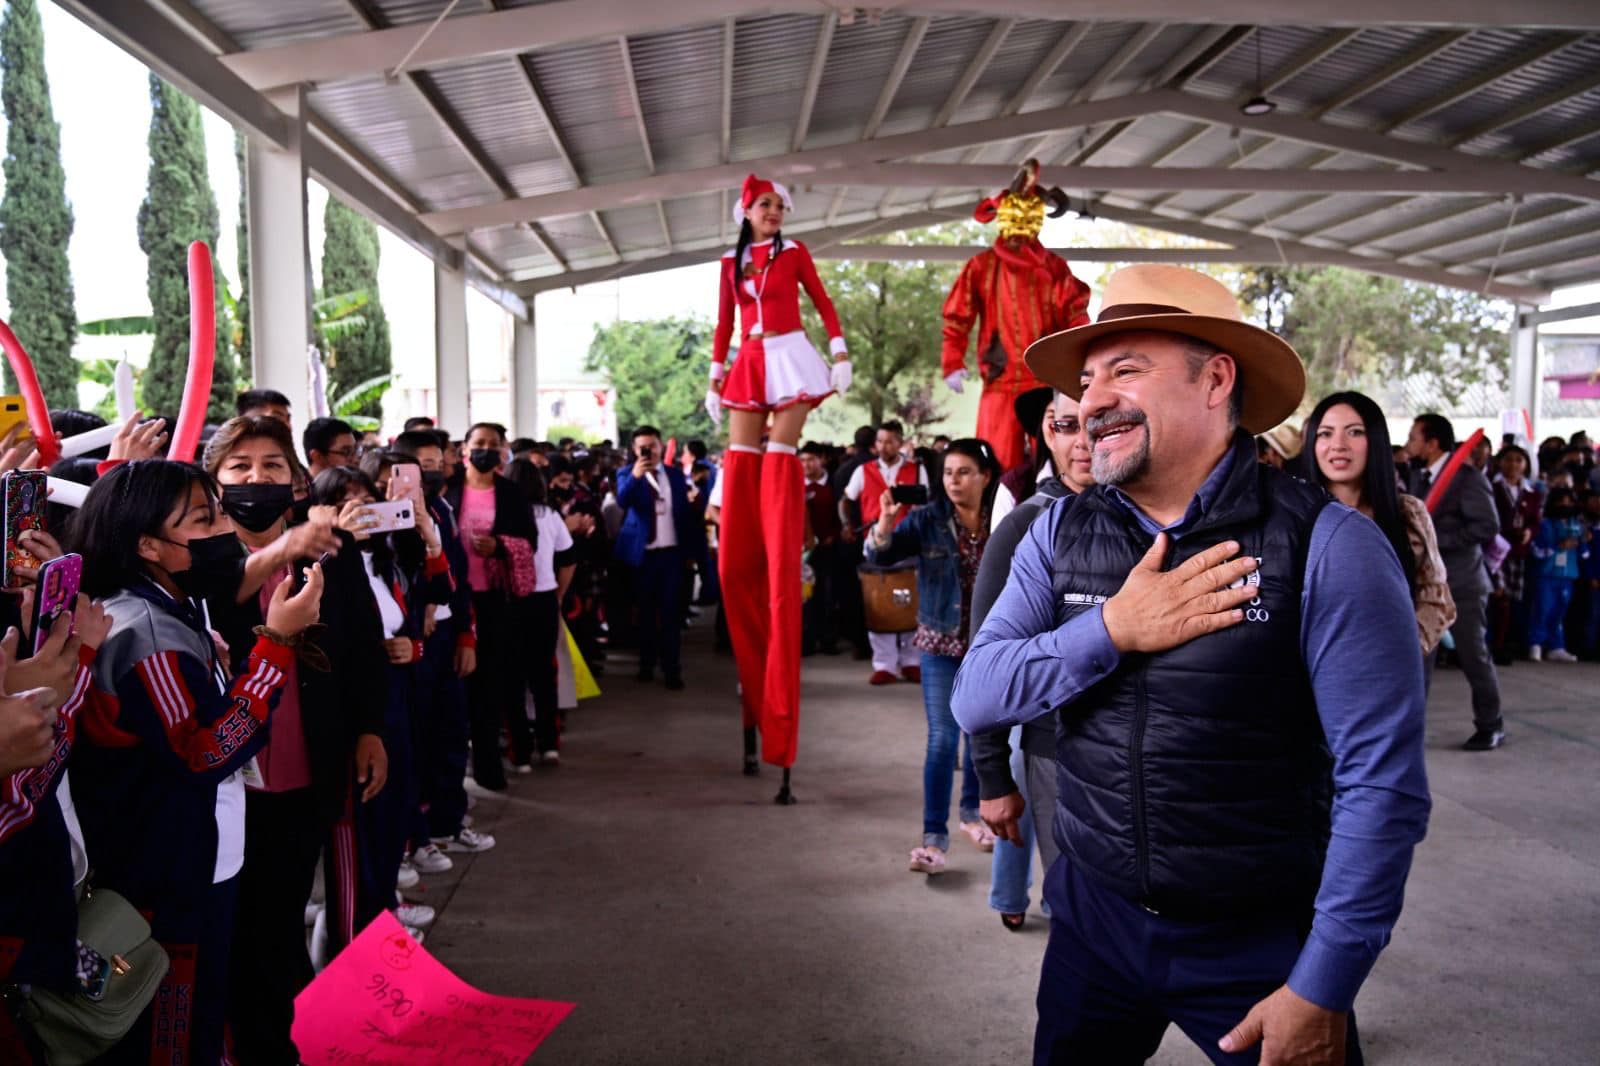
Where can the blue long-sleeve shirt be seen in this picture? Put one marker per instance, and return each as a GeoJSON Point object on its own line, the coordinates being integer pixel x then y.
{"type": "Point", "coordinates": [1358, 638]}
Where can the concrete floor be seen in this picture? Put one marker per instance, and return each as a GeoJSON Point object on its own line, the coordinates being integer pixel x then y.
{"type": "Point", "coordinates": [694, 922]}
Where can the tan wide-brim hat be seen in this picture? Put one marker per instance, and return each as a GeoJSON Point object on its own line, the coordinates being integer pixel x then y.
{"type": "Point", "coordinates": [1155, 296]}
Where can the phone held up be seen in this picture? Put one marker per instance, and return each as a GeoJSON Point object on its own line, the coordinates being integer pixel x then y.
{"type": "Point", "coordinates": [56, 594]}
{"type": "Point", "coordinates": [24, 494]}
{"type": "Point", "coordinates": [404, 479]}
{"type": "Point", "coordinates": [910, 495]}
{"type": "Point", "coordinates": [391, 516]}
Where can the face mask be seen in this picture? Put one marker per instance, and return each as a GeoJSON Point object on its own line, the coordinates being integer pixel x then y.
{"type": "Point", "coordinates": [213, 564]}
{"type": "Point", "coordinates": [484, 460]}
{"type": "Point", "coordinates": [257, 508]}
{"type": "Point", "coordinates": [432, 482]}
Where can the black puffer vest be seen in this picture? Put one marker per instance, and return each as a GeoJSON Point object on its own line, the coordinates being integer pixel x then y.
{"type": "Point", "coordinates": [1195, 781]}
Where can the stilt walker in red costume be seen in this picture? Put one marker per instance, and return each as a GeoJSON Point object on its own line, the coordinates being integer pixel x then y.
{"type": "Point", "coordinates": [776, 379]}
{"type": "Point", "coordinates": [1015, 292]}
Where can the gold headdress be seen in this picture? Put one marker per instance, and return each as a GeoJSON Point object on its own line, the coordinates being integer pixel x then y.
{"type": "Point", "coordinates": [1021, 209]}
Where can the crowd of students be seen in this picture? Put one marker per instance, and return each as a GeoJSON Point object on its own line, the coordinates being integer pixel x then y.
{"type": "Point", "coordinates": [258, 682]}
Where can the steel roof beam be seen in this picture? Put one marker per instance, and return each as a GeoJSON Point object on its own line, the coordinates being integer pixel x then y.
{"type": "Point", "coordinates": [563, 22]}
{"type": "Point", "coordinates": [1057, 55]}
{"type": "Point", "coordinates": [644, 131]}
{"type": "Point", "coordinates": [815, 238]}
{"type": "Point", "coordinates": [808, 99]}
{"type": "Point", "coordinates": [1526, 216]}
{"type": "Point", "coordinates": [891, 85]}
{"type": "Point", "coordinates": [1289, 251]}
{"type": "Point", "coordinates": [943, 253]}
{"type": "Point", "coordinates": [1119, 59]}
{"type": "Point", "coordinates": [1531, 108]}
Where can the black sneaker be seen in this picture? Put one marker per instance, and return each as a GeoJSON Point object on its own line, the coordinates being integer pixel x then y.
{"type": "Point", "coordinates": [1485, 739]}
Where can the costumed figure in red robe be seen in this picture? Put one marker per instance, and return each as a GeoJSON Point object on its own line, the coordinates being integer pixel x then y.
{"type": "Point", "coordinates": [1015, 293]}
{"type": "Point", "coordinates": [776, 379]}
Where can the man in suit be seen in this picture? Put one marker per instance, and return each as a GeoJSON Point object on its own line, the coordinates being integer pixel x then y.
{"type": "Point", "coordinates": [660, 528]}
{"type": "Point", "coordinates": [1465, 519]}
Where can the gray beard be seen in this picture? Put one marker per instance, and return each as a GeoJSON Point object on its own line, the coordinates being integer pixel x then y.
{"type": "Point", "coordinates": [1131, 467]}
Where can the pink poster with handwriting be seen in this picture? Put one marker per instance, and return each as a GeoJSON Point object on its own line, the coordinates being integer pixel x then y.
{"type": "Point", "coordinates": [386, 1002]}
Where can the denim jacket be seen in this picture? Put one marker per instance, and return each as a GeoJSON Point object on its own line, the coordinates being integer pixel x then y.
{"type": "Point", "coordinates": [928, 534]}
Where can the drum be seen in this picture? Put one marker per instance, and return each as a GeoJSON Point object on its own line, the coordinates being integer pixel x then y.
{"type": "Point", "coordinates": [890, 597]}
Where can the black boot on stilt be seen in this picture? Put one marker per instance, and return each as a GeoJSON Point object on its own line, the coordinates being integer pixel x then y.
{"type": "Point", "coordinates": [785, 798]}
{"type": "Point", "coordinates": [752, 765]}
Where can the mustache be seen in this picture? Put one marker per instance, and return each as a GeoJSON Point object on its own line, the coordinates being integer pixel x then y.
{"type": "Point", "coordinates": [1097, 425]}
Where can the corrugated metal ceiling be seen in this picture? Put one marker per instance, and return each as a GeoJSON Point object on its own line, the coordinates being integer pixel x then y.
{"type": "Point", "coordinates": [679, 77]}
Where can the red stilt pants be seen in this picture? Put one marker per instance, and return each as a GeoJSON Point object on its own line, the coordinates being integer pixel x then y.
{"type": "Point", "coordinates": [742, 566]}
{"type": "Point", "coordinates": [783, 518]}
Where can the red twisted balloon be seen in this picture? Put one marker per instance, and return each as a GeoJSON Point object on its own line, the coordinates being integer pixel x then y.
{"type": "Point", "coordinates": [202, 354]}
{"type": "Point", "coordinates": [1448, 472]}
{"type": "Point", "coordinates": [32, 397]}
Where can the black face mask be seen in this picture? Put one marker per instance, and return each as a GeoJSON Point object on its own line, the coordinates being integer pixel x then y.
{"type": "Point", "coordinates": [257, 508]}
{"type": "Point", "coordinates": [484, 460]}
{"type": "Point", "coordinates": [433, 482]}
{"type": "Point", "coordinates": [213, 565]}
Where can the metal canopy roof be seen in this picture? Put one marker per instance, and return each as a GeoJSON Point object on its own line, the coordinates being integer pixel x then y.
{"type": "Point", "coordinates": [1448, 141]}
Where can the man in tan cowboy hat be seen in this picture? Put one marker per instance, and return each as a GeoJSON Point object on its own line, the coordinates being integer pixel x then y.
{"type": "Point", "coordinates": [1239, 750]}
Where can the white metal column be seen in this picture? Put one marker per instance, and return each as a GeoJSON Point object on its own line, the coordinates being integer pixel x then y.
{"type": "Point", "coordinates": [525, 375]}
{"type": "Point", "coordinates": [453, 377]}
{"type": "Point", "coordinates": [280, 261]}
{"type": "Point", "coordinates": [1525, 370]}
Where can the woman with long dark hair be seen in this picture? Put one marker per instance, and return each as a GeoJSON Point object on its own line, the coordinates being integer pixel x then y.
{"type": "Point", "coordinates": [553, 560]}
{"type": "Point", "coordinates": [157, 778]}
{"type": "Point", "coordinates": [1349, 456]}
{"type": "Point", "coordinates": [777, 378]}
{"type": "Point", "coordinates": [946, 536]}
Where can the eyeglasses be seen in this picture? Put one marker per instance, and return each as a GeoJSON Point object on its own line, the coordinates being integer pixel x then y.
{"type": "Point", "coordinates": [1065, 426]}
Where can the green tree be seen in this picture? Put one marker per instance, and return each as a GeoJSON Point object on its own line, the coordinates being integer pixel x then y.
{"type": "Point", "coordinates": [35, 219]}
{"type": "Point", "coordinates": [241, 306]}
{"type": "Point", "coordinates": [179, 207]}
{"type": "Point", "coordinates": [891, 316]}
{"type": "Point", "coordinates": [659, 371]}
{"type": "Point", "coordinates": [350, 266]}
{"type": "Point", "coordinates": [1359, 330]}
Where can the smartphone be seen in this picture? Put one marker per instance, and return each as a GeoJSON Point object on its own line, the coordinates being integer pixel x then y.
{"type": "Point", "coordinates": [56, 594]}
{"type": "Point", "coordinates": [404, 478]}
{"type": "Point", "coordinates": [910, 495]}
{"type": "Point", "coordinates": [24, 495]}
{"type": "Point", "coordinates": [391, 516]}
{"type": "Point", "coordinates": [13, 411]}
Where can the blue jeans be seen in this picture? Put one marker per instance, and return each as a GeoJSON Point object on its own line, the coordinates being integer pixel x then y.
{"type": "Point", "coordinates": [939, 765]}
{"type": "Point", "coordinates": [1547, 626]}
{"type": "Point", "coordinates": [1012, 875]}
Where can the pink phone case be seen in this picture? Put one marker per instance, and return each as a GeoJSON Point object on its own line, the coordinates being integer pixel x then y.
{"type": "Point", "coordinates": [59, 580]}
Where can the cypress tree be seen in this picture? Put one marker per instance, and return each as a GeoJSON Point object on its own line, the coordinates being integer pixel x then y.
{"type": "Point", "coordinates": [179, 207]}
{"type": "Point", "coordinates": [241, 308]}
{"type": "Point", "coordinates": [35, 219]}
{"type": "Point", "coordinates": [350, 265]}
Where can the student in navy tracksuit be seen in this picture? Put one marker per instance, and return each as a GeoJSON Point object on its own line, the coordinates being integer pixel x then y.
{"type": "Point", "coordinates": [406, 571]}
{"type": "Point", "coordinates": [156, 773]}
{"type": "Point", "coordinates": [659, 530]}
{"type": "Point", "coordinates": [449, 656]}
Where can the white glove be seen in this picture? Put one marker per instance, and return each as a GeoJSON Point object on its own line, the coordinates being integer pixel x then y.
{"type": "Point", "coordinates": [956, 379]}
{"type": "Point", "coordinates": [718, 372]}
{"type": "Point", "coordinates": [714, 407]}
{"type": "Point", "coordinates": [840, 376]}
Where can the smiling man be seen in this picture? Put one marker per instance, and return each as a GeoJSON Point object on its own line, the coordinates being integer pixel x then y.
{"type": "Point", "coordinates": [1239, 751]}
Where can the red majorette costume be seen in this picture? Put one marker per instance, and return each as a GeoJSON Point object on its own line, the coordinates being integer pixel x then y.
{"type": "Point", "coordinates": [1016, 292]}
{"type": "Point", "coordinates": [763, 496]}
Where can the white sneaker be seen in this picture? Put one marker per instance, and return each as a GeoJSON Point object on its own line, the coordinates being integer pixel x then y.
{"type": "Point", "coordinates": [1560, 655]}
{"type": "Point", "coordinates": [415, 932]}
{"type": "Point", "coordinates": [408, 877]}
{"type": "Point", "coordinates": [1534, 653]}
{"type": "Point", "coordinates": [313, 910]}
{"type": "Point", "coordinates": [430, 860]}
{"type": "Point", "coordinates": [419, 915]}
{"type": "Point", "coordinates": [551, 758]}
{"type": "Point", "coordinates": [468, 840]}
{"type": "Point", "coordinates": [319, 942]}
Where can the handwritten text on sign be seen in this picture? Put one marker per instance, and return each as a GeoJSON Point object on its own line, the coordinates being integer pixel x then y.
{"type": "Point", "coordinates": [386, 1002]}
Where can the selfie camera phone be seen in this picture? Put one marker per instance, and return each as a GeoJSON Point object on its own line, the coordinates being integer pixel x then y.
{"type": "Point", "coordinates": [24, 493]}
{"type": "Point", "coordinates": [910, 495]}
{"type": "Point", "coordinates": [57, 594]}
{"type": "Point", "coordinates": [404, 478]}
{"type": "Point", "coordinates": [391, 516]}
{"type": "Point", "coordinates": [12, 411]}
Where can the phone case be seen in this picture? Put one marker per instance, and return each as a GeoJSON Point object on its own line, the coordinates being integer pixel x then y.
{"type": "Point", "coordinates": [392, 516]}
{"type": "Point", "coordinates": [59, 580]}
{"type": "Point", "coordinates": [404, 477]}
{"type": "Point", "coordinates": [12, 411]}
{"type": "Point", "coordinates": [24, 492]}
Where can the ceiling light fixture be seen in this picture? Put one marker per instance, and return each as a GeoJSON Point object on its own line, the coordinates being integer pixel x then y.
{"type": "Point", "coordinates": [1258, 104]}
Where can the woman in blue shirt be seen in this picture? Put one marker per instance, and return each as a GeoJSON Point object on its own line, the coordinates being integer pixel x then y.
{"type": "Point", "coordinates": [947, 538]}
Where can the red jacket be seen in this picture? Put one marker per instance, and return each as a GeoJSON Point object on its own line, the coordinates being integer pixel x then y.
{"type": "Point", "coordinates": [1013, 306]}
{"type": "Point", "coordinates": [778, 308]}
